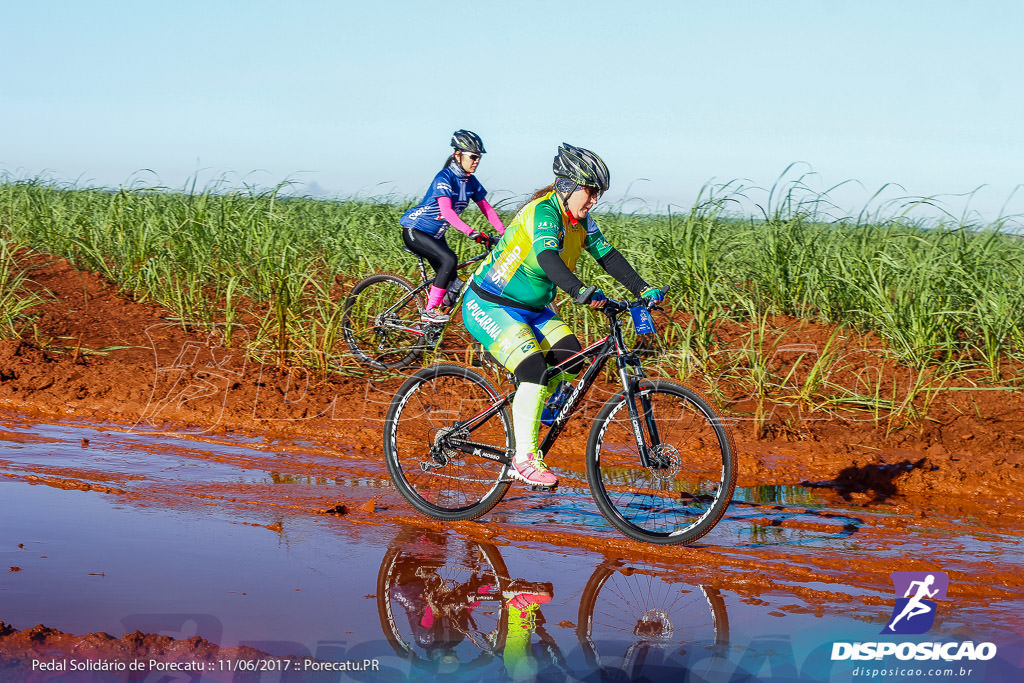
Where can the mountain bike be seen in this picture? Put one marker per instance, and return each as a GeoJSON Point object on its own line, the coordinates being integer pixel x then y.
{"type": "Point", "coordinates": [381, 317]}
{"type": "Point", "coordinates": [660, 462]}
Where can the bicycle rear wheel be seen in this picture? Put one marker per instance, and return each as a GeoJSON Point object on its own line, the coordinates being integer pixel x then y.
{"type": "Point", "coordinates": [425, 443]}
{"type": "Point", "coordinates": [381, 321]}
{"type": "Point", "coordinates": [688, 482]}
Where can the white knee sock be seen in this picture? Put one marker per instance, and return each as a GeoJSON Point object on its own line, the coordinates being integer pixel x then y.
{"type": "Point", "coordinates": [527, 405]}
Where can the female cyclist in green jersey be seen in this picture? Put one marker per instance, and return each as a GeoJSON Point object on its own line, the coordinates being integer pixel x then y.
{"type": "Point", "coordinates": [505, 309]}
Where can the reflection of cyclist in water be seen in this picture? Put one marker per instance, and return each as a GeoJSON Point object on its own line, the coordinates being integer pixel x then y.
{"type": "Point", "coordinates": [523, 600]}
{"type": "Point", "coordinates": [439, 614]}
{"type": "Point", "coordinates": [915, 606]}
{"type": "Point", "coordinates": [462, 612]}
{"type": "Point", "coordinates": [442, 613]}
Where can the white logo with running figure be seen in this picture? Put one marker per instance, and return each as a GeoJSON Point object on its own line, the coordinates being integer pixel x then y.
{"type": "Point", "coordinates": [915, 611]}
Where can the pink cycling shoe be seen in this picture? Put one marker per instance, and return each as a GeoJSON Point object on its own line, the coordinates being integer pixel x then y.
{"type": "Point", "coordinates": [532, 470]}
{"type": "Point", "coordinates": [521, 594]}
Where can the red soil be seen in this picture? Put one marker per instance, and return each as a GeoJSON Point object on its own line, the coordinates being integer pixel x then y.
{"type": "Point", "coordinates": [968, 451]}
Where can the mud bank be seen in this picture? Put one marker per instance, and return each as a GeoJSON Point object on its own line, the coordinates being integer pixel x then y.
{"type": "Point", "coordinates": [98, 355]}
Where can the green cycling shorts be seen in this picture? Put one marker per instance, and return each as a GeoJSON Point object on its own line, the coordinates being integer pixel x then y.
{"type": "Point", "coordinates": [511, 334]}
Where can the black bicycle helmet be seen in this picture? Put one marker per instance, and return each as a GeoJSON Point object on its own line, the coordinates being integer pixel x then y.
{"type": "Point", "coordinates": [467, 141]}
{"type": "Point", "coordinates": [581, 166]}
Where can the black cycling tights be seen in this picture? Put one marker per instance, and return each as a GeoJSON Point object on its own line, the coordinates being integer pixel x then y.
{"type": "Point", "coordinates": [533, 367]}
{"type": "Point", "coordinates": [436, 251]}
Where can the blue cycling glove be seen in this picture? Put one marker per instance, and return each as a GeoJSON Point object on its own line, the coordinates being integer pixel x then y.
{"type": "Point", "coordinates": [598, 296]}
{"type": "Point", "coordinates": [653, 294]}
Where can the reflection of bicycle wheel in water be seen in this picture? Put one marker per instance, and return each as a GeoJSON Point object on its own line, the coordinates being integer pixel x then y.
{"type": "Point", "coordinates": [629, 614]}
{"type": "Point", "coordinates": [440, 603]}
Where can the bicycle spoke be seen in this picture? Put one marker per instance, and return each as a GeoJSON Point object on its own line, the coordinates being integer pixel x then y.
{"type": "Point", "coordinates": [626, 614]}
{"type": "Point", "coordinates": [423, 436]}
{"type": "Point", "coordinates": [381, 322]}
{"type": "Point", "coordinates": [683, 490]}
{"type": "Point", "coordinates": [647, 607]}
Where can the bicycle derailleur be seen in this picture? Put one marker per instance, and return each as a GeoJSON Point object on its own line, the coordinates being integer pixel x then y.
{"type": "Point", "coordinates": [441, 451]}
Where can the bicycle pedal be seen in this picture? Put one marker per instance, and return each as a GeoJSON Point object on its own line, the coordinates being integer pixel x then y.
{"type": "Point", "coordinates": [543, 489]}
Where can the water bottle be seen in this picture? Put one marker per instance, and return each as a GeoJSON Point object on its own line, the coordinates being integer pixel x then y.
{"type": "Point", "coordinates": [555, 403]}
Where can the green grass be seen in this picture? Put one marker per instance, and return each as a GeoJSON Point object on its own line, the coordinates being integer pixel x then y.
{"type": "Point", "coordinates": [945, 298]}
{"type": "Point", "coordinates": [16, 300]}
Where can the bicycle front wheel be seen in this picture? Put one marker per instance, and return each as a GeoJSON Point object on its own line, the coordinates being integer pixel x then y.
{"type": "Point", "coordinates": [429, 449]}
{"type": "Point", "coordinates": [683, 487]}
{"type": "Point", "coordinates": [381, 321]}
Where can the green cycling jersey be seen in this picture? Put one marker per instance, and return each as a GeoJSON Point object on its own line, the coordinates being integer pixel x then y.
{"type": "Point", "coordinates": [512, 272]}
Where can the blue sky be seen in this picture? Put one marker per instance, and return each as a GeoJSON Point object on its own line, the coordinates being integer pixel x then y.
{"type": "Point", "coordinates": [363, 97]}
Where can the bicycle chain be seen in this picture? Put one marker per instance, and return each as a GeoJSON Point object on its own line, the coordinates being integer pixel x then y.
{"type": "Point", "coordinates": [452, 476]}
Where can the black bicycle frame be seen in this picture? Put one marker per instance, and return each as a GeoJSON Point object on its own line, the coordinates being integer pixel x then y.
{"type": "Point", "coordinates": [423, 285]}
{"type": "Point", "coordinates": [600, 352]}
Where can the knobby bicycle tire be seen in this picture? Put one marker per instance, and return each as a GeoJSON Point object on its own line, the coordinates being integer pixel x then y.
{"type": "Point", "coordinates": [374, 336]}
{"type": "Point", "coordinates": [682, 494]}
{"type": "Point", "coordinates": [444, 482]}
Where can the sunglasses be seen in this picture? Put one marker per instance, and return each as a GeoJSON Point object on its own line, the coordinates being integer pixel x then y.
{"type": "Point", "coordinates": [472, 156]}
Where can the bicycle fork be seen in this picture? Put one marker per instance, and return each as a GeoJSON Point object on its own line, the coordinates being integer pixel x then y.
{"type": "Point", "coordinates": [642, 417]}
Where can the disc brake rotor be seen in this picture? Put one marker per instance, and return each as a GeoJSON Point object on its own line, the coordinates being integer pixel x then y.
{"type": "Point", "coordinates": [654, 625]}
{"type": "Point", "coordinates": [665, 461]}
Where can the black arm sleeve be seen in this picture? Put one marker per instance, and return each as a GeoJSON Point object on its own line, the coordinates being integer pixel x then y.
{"type": "Point", "coordinates": [559, 273]}
{"type": "Point", "coordinates": [617, 266]}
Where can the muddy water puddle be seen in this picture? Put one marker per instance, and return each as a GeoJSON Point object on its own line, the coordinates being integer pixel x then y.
{"type": "Point", "coordinates": [86, 563]}
{"type": "Point", "coordinates": [117, 531]}
{"type": "Point", "coordinates": [149, 454]}
{"type": "Point", "coordinates": [746, 525]}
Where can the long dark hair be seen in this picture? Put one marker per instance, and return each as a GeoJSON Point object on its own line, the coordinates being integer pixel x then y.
{"type": "Point", "coordinates": [449, 160]}
{"type": "Point", "coordinates": [536, 195]}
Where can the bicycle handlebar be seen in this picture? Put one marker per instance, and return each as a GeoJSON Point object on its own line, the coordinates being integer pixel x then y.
{"type": "Point", "coordinates": [612, 306]}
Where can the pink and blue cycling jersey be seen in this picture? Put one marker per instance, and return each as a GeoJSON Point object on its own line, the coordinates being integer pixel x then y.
{"type": "Point", "coordinates": [460, 189]}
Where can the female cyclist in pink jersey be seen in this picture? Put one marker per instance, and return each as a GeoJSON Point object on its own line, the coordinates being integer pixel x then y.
{"type": "Point", "coordinates": [424, 225]}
